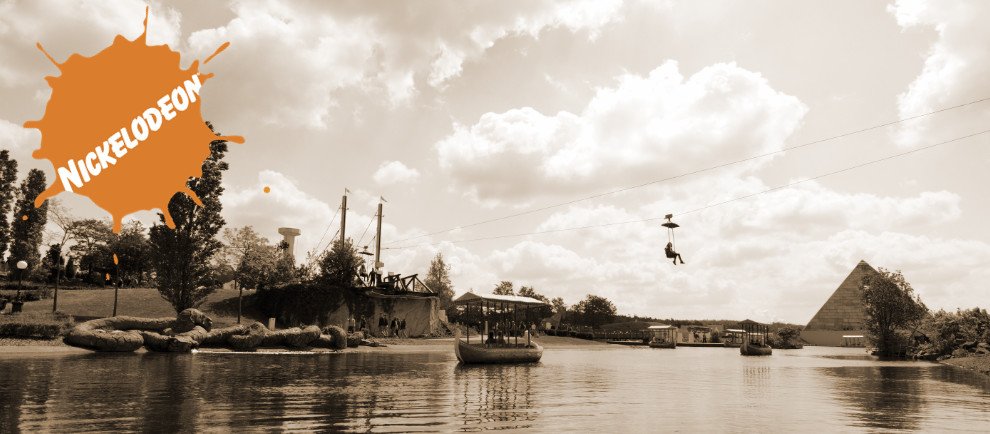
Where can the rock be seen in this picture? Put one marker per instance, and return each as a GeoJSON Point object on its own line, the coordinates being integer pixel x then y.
{"type": "Point", "coordinates": [354, 339]}
{"type": "Point", "coordinates": [960, 352]}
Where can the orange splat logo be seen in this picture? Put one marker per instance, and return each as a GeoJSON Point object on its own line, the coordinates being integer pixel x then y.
{"type": "Point", "coordinates": [124, 127]}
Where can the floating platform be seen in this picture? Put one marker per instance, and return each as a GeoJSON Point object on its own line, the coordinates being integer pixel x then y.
{"type": "Point", "coordinates": [701, 344]}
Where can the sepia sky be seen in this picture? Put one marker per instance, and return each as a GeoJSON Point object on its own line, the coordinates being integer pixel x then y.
{"type": "Point", "coordinates": [462, 111]}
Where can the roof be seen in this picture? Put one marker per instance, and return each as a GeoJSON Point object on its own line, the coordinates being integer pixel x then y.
{"type": "Point", "coordinates": [660, 327]}
{"type": "Point", "coordinates": [735, 330]}
{"type": "Point", "coordinates": [511, 299]}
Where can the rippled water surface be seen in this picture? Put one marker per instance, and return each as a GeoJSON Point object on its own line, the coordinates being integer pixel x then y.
{"type": "Point", "coordinates": [613, 389]}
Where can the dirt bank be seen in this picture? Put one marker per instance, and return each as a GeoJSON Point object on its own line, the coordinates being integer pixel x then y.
{"type": "Point", "coordinates": [979, 364]}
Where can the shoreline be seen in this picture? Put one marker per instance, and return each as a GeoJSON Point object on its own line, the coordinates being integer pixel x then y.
{"type": "Point", "coordinates": [977, 364]}
{"type": "Point", "coordinates": [396, 346]}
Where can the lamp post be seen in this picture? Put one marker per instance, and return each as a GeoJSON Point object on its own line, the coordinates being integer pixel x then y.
{"type": "Point", "coordinates": [21, 266]}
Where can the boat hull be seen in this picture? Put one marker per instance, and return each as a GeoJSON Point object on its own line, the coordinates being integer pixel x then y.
{"type": "Point", "coordinates": [747, 349]}
{"type": "Point", "coordinates": [479, 353]}
{"type": "Point", "coordinates": [663, 345]}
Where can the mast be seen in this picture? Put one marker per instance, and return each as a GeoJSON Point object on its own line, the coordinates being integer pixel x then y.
{"type": "Point", "coordinates": [343, 217]}
{"type": "Point", "coordinates": [378, 241]}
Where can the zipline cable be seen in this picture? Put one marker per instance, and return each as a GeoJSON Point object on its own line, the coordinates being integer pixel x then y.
{"type": "Point", "coordinates": [772, 189]}
{"type": "Point", "coordinates": [695, 172]}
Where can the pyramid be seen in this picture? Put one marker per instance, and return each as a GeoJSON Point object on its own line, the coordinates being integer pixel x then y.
{"type": "Point", "coordinates": [844, 309]}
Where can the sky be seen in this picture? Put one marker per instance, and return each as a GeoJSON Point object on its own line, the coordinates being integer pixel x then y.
{"type": "Point", "coordinates": [459, 112]}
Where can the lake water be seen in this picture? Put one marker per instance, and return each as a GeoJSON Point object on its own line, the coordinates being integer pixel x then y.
{"type": "Point", "coordinates": [601, 388]}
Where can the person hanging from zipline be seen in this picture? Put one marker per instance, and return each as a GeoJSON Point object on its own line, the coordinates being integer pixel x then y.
{"type": "Point", "coordinates": [671, 254]}
{"type": "Point", "coordinates": [669, 250]}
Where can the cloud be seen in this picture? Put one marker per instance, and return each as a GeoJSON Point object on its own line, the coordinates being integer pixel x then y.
{"type": "Point", "coordinates": [18, 139]}
{"type": "Point", "coordinates": [314, 51]}
{"type": "Point", "coordinates": [65, 27]}
{"type": "Point", "coordinates": [395, 172]}
{"type": "Point", "coordinates": [956, 66]}
{"type": "Point", "coordinates": [660, 124]}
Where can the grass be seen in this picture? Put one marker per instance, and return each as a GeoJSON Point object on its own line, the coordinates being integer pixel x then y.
{"type": "Point", "coordinates": [221, 306]}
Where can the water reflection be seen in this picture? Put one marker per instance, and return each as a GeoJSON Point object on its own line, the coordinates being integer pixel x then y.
{"type": "Point", "coordinates": [887, 397]}
{"type": "Point", "coordinates": [493, 394]}
{"type": "Point", "coordinates": [618, 389]}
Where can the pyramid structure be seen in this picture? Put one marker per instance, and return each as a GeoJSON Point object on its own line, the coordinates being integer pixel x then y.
{"type": "Point", "coordinates": [844, 309]}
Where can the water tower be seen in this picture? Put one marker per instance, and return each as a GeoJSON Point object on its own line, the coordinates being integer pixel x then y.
{"type": "Point", "coordinates": [289, 236]}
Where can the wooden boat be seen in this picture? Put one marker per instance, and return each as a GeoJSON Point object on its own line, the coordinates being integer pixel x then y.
{"type": "Point", "coordinates": [662, 336]}
{"type": "Point", "coordinates": [754, 349]}
{"type": "Point", "coordinates": [500, 353]}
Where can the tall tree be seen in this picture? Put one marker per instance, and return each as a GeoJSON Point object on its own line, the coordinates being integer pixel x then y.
{"type": "Point", "coordinates": [183, 257]}
{"type": "Point", "coordinates": [8, 178]}
{"type": "Point", "coordinates": [891, 308]}
{"type": "Point", "coordinates": [504, 288]}
{"type": "Point", "coordinates": [438, 279]}
{"type": "Point", "coordinates": [28, 227]}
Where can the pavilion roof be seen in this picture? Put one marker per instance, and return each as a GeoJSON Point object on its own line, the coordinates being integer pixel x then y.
{"type": "Point", "coordinates": [471, 297]}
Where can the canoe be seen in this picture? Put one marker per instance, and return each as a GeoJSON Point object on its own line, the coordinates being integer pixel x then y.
{"type": "Point", "coordinates": [748, 349]}
{"type": "Point", "coordinates": [506, 353]}
{"type": "Point", "coordinates": [655, 344]}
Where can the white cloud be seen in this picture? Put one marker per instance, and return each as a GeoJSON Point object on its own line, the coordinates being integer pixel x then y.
{"type": "Point", "coordinates": [645, 126]}
{"type": "Point", "coordinates": [395, 172]}
{"type": "Point", "coordinates": [956, 66]}
{"type": "Point", "coordinates": [17, 138]}
{"type": "Point", "coordinates": [58, 26]}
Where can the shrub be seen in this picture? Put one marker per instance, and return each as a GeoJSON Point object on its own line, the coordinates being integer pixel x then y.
{"type": "Point", "coordinates": [35, 325]}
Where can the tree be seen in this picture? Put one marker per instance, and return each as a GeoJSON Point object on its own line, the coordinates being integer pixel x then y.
{"type": "Point", "coordinates": [133, 253]}
{"type": "Point", "coordinates": [54, 262]}
{"type": "Point", "coordinates": [438, 280]}
{"type": "Point", "coordinates": [8, 176]}
{"type": "Point", "coordinates": [183, 257]}
{"type": "Point", "coordinates": [28, 227]}
{"type": "Point", "coordinates": [529, 291]}
{"type": "Point", "coordinates": [558, 305]}
{"type": "Point", "coordinates": [504, 288]}
{"type": "Point", "coordinates": [339, 266]}
{"type": "Point", "coordinates": [891, 307]}
{"type": "Point", "coordinates": [260, 264]}
{"type": "Point", "coordinates": [595, 311]}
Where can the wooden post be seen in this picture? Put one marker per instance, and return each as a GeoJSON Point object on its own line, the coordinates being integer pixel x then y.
{"type": "Point", "coordinates": [115, 289]}
{"type": "Point", "coordinates": [240, 293]}
{"type": "Point", "coordinates": [343, 218]}
{"type": "Point", "coordinates": [486, 333]}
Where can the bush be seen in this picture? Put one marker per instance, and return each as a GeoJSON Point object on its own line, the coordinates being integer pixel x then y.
{"type": "Point", "coordinates": [35, 325]}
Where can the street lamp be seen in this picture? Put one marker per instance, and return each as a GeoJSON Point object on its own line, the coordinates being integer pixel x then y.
{"type": "Point", "coordinates": [21, 265]}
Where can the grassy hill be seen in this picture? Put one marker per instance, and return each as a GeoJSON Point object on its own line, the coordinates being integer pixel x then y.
{"type": "Point", "coordinates": [141, 302]}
